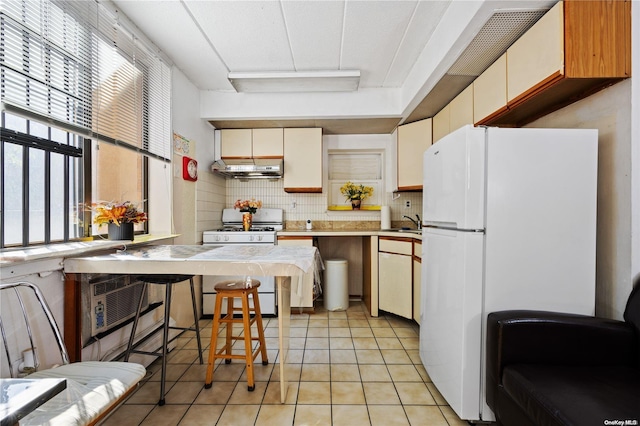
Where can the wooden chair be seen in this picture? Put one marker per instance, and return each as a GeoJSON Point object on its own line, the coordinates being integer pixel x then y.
{"type": "Point", "coordinates": [244, 290]}
{"type": "Point", "coordinates": [94, 388]}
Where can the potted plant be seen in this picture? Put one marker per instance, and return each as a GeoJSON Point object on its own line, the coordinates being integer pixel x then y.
{"type": "Point", "coordinates": [119, 217]}
{"type": "Point", "coordinates": [356, 193]}
{"type": "Point", "coordinates": [248, 208]}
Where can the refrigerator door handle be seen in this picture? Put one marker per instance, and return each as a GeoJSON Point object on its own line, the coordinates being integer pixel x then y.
{"type": "Point", "coordinates": [451, 228]}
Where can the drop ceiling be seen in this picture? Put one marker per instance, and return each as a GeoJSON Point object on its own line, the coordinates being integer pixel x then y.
{"type": "Point", "coordinates": [413, 56]}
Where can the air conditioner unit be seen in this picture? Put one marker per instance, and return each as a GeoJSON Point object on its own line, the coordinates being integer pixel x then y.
{"type": "Point", "coordinates": [114, 301]}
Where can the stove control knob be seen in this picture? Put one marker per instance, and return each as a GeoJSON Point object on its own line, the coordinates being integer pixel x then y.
{"type": "Point", "coordinates": [251, 237]}
{"type": "Point", "coordinates": [217, 237]}
{"type": "Point", "coordinates": [259, 237]}
{"type": "Point", "coordinates": [226, 238]}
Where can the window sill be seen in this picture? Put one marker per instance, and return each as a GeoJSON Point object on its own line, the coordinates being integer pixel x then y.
{"type": "Point", "coordinates": [348, 208]}
{"type": "Point", "coordinates": [75, 248]}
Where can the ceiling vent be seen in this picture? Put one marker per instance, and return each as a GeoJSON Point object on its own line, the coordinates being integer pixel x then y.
{"type": "Point", "coordinates": [500, 31]}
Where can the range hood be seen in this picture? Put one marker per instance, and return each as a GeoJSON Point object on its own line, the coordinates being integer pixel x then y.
{"type": "Point", "coordinates": [271, 170]}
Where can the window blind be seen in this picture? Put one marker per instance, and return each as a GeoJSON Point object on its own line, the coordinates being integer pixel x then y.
{"type": "Point", "coordinates": [359, 167]}
{"type": "Point", "coordinates": [75, 65]}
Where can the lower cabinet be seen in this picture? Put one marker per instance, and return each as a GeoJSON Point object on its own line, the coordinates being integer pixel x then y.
{"type": "Point", "coordinates": [301, 287]}
{"type": "Point", "coordinates": [395, 277]}
{"type": "Point", "coordinates": [417, 279]}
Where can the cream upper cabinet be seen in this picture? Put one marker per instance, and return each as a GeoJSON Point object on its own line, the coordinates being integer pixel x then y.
{"type": "Point", "coordinates": [441, 124]}
{"type": "Point", "coordinates": [303, 160]}
{"type": "Point", "coordinates": [413, 139]}
{"type": "Point", "coordinates": [461, 109]}
{"type": "Point", "coordinates": [490, 90]}
{"type": "Point", "coordinates": [268, 143]}
{"type": "Point", "coordinates": [537, 55]}
{"type": "Point", "coordinates": [245, 146]}
{"type": "Point", "coordinates": [577, 48]}
{"type": "Point", "coordinates": [235, 144]}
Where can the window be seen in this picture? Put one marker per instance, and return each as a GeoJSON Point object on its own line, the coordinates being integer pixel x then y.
{"type": "Point", "coordinates": [362, 167]}
{"type": "Point", "coordinates": [41, 182]}
{"type": "Point", "coordinates": [85, 103]}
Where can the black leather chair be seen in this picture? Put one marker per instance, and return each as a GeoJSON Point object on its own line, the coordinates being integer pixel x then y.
{"type": "Point", "coordinates": [546, 368]}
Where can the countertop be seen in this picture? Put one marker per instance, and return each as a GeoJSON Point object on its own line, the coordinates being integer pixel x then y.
{"type": "Point", "coordinates": [347, 233]}
{"type": "Point", "coordinates": [84, 248]}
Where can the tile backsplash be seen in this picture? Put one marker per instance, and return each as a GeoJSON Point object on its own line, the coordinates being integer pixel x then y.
{"type": "Point", "coordinates": [300, 207]}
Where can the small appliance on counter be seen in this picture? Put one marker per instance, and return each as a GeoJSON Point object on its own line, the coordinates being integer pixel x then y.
{"type": "Point", "coordinates": [266, 222]}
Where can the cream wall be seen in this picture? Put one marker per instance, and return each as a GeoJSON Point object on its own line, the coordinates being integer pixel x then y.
{"type": "Point", "coordinates": [188, 196]}
{"type": "Point", "coordinates": [614, 111]}
{"type": "Point", "coordinates": [186, 121]}
{"type": "Point", "coordinates": [609, 111]}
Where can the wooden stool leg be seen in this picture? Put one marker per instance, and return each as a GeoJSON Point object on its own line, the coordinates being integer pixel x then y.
{"type": "Point", "coordinates": [246, 321]}
{"type": "Point", "coordinates": [229, 325]}
{"type": "Point", "coordinates": [214, 341]}
{"type": "Point", "coordinates": [258, 313]}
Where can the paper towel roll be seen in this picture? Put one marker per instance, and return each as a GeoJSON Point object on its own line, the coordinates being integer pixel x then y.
{"type": "Point", "coordinates": [385, 217]}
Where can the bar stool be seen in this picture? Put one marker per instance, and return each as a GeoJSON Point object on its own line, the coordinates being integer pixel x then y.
{"type": "Point", "coordinates": [231, 290]}
{"type": "Point", "coordinates": [168, 280]}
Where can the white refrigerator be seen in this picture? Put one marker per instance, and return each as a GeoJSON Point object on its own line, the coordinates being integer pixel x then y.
{"type": "Point", "coordinates": [509, 222]}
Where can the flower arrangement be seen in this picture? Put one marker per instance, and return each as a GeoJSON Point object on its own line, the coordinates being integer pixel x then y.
{"type": "Point", "coordinates": [356, 192]}
{"type": "Point", "coordinates": [248, 206]}
{"type": "Point", "coordinates": [117, 213]}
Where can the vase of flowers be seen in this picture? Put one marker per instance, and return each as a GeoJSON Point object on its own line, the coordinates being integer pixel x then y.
{"type": "Point", "coordinates": [248, 208]}
{"type": "Point", "coordinates": [356, 193]}
{"type": "Point", "coordinates": [119, 217]}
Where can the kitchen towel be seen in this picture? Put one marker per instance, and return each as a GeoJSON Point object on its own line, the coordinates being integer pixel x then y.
{"type": "Point", "coordinates": [385, 217]}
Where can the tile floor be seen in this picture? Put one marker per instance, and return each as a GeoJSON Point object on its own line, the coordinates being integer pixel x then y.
{"type": "Point", "coordinates": [347, 368]}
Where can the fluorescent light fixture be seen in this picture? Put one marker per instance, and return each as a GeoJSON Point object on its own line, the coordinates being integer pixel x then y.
{"type": "Point", "coordinates": [295, 81]}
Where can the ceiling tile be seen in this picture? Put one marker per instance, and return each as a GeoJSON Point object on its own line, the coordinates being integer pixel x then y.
{"type": "Point", "coordinates": [373, 32]}
{"type": "Point", "coordinates": [423, 22]}
{"type": "Point", "coordinates": [315, 33]}
{"type": "Point", "coordinates": [161, 23]}
{"type": "Point", "coordinates": [248, 35]}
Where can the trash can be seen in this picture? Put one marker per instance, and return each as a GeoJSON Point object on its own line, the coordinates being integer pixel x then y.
{"type": "Point", "coordinates": [336, 289]}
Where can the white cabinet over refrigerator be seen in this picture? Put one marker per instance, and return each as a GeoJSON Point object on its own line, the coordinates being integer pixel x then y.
{"type": "Point", "coordinates": [509, 222]}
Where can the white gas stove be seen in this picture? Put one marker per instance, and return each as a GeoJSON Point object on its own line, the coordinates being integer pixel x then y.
{"type": "Point", "coordinates": [266, 222]}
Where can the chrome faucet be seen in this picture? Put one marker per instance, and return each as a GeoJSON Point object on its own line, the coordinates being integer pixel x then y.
{"type": "Point", "coordinates": [418, 222]}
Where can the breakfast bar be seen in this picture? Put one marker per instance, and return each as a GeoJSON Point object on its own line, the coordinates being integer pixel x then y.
{"type": "Point", "coordinates": [281, 262]}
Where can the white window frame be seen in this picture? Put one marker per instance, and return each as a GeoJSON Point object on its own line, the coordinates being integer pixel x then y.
{"type": "Point", "coordinates": [360, 166]}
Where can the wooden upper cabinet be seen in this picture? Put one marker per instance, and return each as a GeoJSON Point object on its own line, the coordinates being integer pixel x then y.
{"type": "Point", "coordinates": [413, 140]}
{"type": "Point", "coordinates": [577, 48]}
{"type": "Point", "coordinates": [303, 160]}
{"type": "Point", "coordinates": [268, 143]}
{"type": "Point", "coordinates": [597, 38]}
{"type": "Point", "coordinates": [441, 124]}
{"type": "Point", "coordinates": [490, 91]}
{"type": "Point", "coordinates": [461, 109]}
{"type": "Point", "coordinates": [235, 145]}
